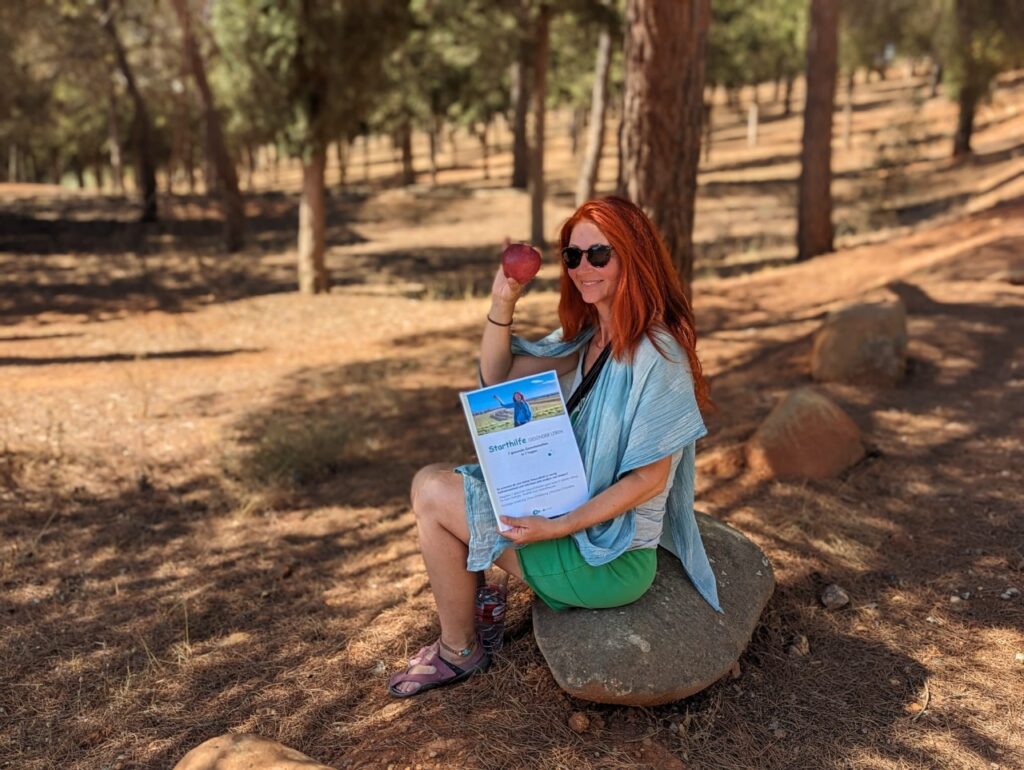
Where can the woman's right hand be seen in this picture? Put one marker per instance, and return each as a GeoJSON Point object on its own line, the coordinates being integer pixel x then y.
{"type": "Point", "coordinates": [505, 292]}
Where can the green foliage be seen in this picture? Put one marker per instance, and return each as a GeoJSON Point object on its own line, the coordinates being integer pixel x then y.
{"type": "Point", "coordinates": [301, 71]}
{"type": "Point", "coordinates": [756, 42]}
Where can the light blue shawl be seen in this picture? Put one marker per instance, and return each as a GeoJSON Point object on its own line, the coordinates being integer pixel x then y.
{"type": "Point", "coordinates": [636, 413]}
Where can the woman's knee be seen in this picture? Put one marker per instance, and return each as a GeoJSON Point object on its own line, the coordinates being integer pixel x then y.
{"type": "Point", "coordinates": [428, 489]}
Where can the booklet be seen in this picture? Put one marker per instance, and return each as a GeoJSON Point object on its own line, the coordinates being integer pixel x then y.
{"type": "Point", "coordinates": [526, 448]}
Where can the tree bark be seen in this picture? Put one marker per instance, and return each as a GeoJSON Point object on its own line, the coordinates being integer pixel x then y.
{"type": "Point", "coordinates": [142, 129]}
{"type": "Point", "coordinates": [366, 157]}
{"type": "Point", "coordinates": [587, 179]}
{"type": "Point", "coordinates": [341, 151]}
{"type": "Point", "coordinates": [312, 217]}
{"type": "Point", "coordinates": [484, 151]}
{"type": "Point", "coordinates": [540, 75]}
{"type": "Point", "coordinates": [666, 51]}
{"type": "Point", "coordinates": [405, 139]}
{"type": "Point", "coordinates": [848, 110]}
{"type": "Point", "coordinates": [432, 137]}
{"type": "Point", "coordinates": [232, 205]}
{"type": "Point", "coordinates": [814, 220]}
{"type": "Point", "coordinates": [967, 103]}
{"type": "Point", "coordinates": [787, 107]}
{"type": "Point", "coordinates": [521, 105]}
{"type": "Point", "coordinates": [12, 163]}
{"type": "Point", "coordinates": [971, 90]}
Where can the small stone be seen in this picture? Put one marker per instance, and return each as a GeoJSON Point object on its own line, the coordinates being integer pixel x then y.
{"type": "Point", "coordinates": [955, 599]}
{"type": "Point", "coordinates": [579, 722]}
{"type": "Point", "coordinates": [965, 595]}
{"type": "Point", "coordinates": [834, 597]}
{"type": "Point", "coordinates": [894, 682]}
{"type": "Point", "coordinates": [800, 646]}
{"type": "Point", "coordinates": [735, 671]}
{"type": "Point", "coordinates": [780, 733]}
{"type": "Point", "coordinates": [1019, 657]}
{"type": "Point", "coordinates": [1009, 593]}
{"type": "Point", "coordinates": [933, 620]}
{"type": "Point", "coordinates": [380, 669]}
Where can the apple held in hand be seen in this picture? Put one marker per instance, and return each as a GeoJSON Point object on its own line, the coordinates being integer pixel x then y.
{"type": "Point", "coordinates": [520, 261]}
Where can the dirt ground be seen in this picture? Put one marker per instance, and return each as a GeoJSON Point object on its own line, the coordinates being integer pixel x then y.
{"type": "Point", "coordinates": [203, 479]}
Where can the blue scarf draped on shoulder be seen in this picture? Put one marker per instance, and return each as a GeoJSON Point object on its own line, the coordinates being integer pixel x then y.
{"type": "Point", "coordinates": [637, 413]}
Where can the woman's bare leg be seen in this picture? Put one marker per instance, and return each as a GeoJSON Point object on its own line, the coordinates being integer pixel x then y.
{"type": "Point", "coordinates": [439, 502]}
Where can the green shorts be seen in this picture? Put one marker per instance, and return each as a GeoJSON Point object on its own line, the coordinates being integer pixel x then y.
{"type": "Point", "coordinates": [557, 573]}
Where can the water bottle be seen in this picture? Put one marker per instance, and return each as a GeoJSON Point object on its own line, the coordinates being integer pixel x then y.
{"type": "Point", "coordinates": [489, 610]}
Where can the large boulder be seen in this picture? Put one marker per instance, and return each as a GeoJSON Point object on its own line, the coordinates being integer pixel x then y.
{"type": "Point", "coordinates": [668, 645]}
{"type": "Point", "coordinates": [806, 436]}
{"type": "Point", "coordinates": [245, 752]}
{"type": "Point", "coordinates": [863, 344]}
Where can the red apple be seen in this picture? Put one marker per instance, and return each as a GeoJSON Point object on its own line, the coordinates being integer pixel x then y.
{"type": "Point", "coordinates": [520, 261]}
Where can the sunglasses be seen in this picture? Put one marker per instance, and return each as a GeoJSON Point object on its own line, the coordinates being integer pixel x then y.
{"type": "Point", "coordinates": [598, 255]}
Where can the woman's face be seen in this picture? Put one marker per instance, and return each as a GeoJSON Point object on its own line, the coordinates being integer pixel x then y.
{"type": "Point", "coordinates": [595, 284]}
{"type": "Point", "coordinates": [517, 396]}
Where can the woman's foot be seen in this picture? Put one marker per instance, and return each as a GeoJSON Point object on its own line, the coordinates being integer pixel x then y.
{"type": "Point", "coordinates": [436, 665]}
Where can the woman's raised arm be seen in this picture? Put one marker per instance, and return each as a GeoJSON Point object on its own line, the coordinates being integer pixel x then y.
{"type": "Point", "coordinates": [497, 364]}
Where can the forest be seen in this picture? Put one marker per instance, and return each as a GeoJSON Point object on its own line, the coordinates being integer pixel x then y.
{"type": "Point", "coordinates": [246, 255]}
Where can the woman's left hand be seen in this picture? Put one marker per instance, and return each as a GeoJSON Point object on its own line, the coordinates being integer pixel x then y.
{"type": "Point", "coordinates": [532, 529]}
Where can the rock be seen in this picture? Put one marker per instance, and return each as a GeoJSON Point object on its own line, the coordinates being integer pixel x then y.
{"type": "Point", "coordinates": [834, 597]}
{"type": "Point", "coordinates": [800, 647]}
{"type": "Point", "coordinates": [669, 644]}
{"type": "Point", "coordinates": [805, 436]}
{"type": "Point", "coordinates": [245, 752]}
{"type": "Point", "coordinates": [579, 722]}
{"type": "Point", "coordinates": [1009, 593]}
{"type": "Point", "coordinates": [1015, 275]}
{"type": "Point", "coordinates": [865, 343]}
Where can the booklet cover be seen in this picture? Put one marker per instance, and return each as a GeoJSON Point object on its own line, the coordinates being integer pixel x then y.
{"type": "Point", "coordinates": [526, 447]}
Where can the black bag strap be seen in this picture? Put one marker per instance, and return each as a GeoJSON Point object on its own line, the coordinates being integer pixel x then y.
{"type": "Point", "coordinates": [588, 381]}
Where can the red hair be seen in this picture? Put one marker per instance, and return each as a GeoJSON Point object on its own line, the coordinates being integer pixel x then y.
{"type": "Point", "coordinates": [649, 296]}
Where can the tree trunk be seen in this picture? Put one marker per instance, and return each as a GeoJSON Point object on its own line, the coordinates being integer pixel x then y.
{"type": "Point", "coordinates": [971, 89]}
{"type": "Point", "coordinates": [967, 102]}
{"type": "Point", "coordinates": [232, 205]}
{"type": "Point", "coordinates": [142, 129]}
{"type": "Point", "coordinates": [405, 139]}
{"type": "Point", "coordinates": [366, 157]}
{"type": "Point", "coordinates": [12, 163]}
{"type": "Point", "coordinates": [312, 221]}
{"type": "Point", "coordinates": [752, 120]}
{"type": "Point", "coordinates": [787, 107]}
{"type": "Point", "coordinates": [708, 107]}
{"type": "Point", "coordinates": [666, 51]}
{"type": "Point", "coordinates": [540, 75]}
{"type": "Point", "coordinates": [848, 111]}
{"type": "Point", "coordinates": [521, 105]}
{"type": "Point", "coordinates": [341, 149]}
{"type": "Point", "coordinates": [587, 179]}
{"type": "Point", "coordinates": [250, 167]}
{"type": "Point", "coordinates": [814, 221]}
{"type": "Point", "coordinates": [97, 174]}
{"type": "Point", "coordinates": [454, 145]}
{"type": "Point", "coordinates": [484, 152]}
{"type": "Point", "coordinates": [432, 138]}
{"type": "Point", "coordinates": [936, 79]}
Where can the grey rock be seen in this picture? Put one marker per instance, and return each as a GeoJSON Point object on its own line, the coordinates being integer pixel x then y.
{"type": "Point", "coordinates": [865, 343]}
{"type": "Point", "coordinates": [669, 644]}
{"type": "Point", "coordinates": [834, 597]}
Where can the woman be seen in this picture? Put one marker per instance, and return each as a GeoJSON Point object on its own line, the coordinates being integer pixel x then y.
{"type": "Point", "coordinates": [628, 340]}
{"type": "Point", "coordinates": [521, 411]}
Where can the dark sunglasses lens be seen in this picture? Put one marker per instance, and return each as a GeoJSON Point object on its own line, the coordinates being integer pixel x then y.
{"type": "Point", "coordinates": [599, 255]}
{"type": "Point", "coordinates": [572, 256]}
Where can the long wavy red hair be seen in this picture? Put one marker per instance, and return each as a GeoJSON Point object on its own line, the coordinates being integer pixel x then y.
{"type": "Point", "coordinates": [649, 296]}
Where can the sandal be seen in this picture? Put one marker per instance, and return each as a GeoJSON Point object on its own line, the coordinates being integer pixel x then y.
{"type": "Point", "coordinates": [440, 673]}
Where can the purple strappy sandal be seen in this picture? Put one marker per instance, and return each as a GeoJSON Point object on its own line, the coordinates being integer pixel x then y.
{"type": "Point", "coordinates": [443, 672]}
